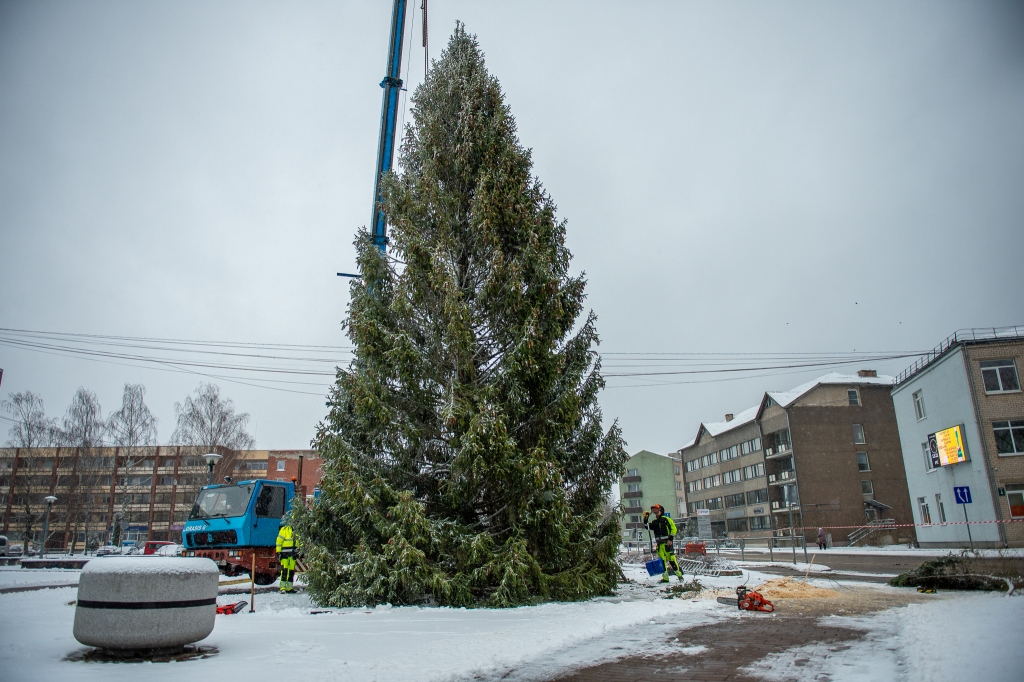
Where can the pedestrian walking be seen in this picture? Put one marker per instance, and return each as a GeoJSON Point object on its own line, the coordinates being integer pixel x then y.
{"type": "Point", "coordinates": [822, 539]}
{"type": "Point", "coordinates": [664, 530]}
{"type": "Point", "coordinates": [286, 551]}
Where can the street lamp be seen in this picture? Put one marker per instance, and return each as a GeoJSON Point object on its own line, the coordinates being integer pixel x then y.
{"type": "Point", "coordinates": [211, 461]}
{"type": "Point", "coordinates": [50, 499]}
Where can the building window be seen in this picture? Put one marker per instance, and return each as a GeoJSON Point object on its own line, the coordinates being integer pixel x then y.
{"type": "Point", "coordinates": [940, 508]}
{"type": "Point", "coordinates": [678, 471]}
{"type": "Point", "coordinates": [693, 486]}
{"type": "Point", "coordinates": [635, 518]}
{"type": "Point", "coordinates": [736, 525]}
{"type": "Point", "coordinates": [929, 465]}
{"type": "Point", "coordinates": [757, 496]}
{"type": "Point", "coordinates": [1009, 437]}
{"type": "Point", "coordinates": [926, 516]}
{"type": "Point", "coordinates": [629, 472]}
{"type": "Point", "coordinates": [713, 503]}
{"type": "Point", "coordinates": [679, 485]}
{"type": "Point", "coordinates": [919, 405]}
{"type": "Point", "coordinates": [708, 460]}
{"type": "Point", "coordinates": [999, 376]}
{"type": "Point", "coordinates": [858, 435]}
{"type": "Point", "coordinates": [632, 487]}
{"type": "Point", "coordinates": [694, 506]}
{"type": "Point", "coordinates": [851, 395]}
{"type": "Point", "coordinates": [737, 500]}
{"type": "Point", "coordinates": [753, 471]}
{"type": "Point", "coordinates": [862, 461]}
{"type": "Point", "coordinates": [280, 465]}
{"type": "Point", "coordinates": [693, 465]}
{"type": "Point", "coordinates": [867, 488]}
{"type": "Point", "coordinates": [760, 523]}
{"type": "Point", "coordinates": [1015, 496]}
{"type": "Point", "coordinates": [729, 453]}
{"type": "Point", "coordinates": [734, 476]}
{"type": "Point", "coordinates": [752, 445]}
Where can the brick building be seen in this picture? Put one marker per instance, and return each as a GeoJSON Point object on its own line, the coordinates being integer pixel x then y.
{"type": "Point", "coordinates": [283, 465]}
{"type": "Point", "coordinates": [828, 451]}
{"type": "Point", "coordinates": [969, 384]}
{"type": "Point", "coordinates": [150, 489]}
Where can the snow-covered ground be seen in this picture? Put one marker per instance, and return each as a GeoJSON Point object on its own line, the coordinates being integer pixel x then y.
{"type": "Point", "coordinates": [15, 576]}
{"type": "Point", "coordinates": [283, 638]}
{"type": "Point", "coordinates": [973, 637]}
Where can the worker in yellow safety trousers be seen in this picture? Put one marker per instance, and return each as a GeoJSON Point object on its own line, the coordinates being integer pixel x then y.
{"type": "Point", "coordinates": [664, 530]}
{"type": "Point", "coordinates": [286, 551]}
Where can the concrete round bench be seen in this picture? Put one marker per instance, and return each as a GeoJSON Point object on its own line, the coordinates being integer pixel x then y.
{"type": "Point", "coordinates": [146, 602]}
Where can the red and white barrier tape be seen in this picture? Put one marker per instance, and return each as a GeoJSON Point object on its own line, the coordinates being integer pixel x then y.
{"type": "Point", "coordinates": [882, 526]}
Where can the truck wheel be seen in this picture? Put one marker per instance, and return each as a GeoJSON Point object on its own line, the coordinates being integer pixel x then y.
{"type": "Point", "coordinates": [265, 578]}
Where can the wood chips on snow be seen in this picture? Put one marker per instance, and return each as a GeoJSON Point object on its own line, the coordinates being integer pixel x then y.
{"type": "Point", "coordinates": [789, 588]}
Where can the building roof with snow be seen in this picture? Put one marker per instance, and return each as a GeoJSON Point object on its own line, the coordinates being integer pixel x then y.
{"type": "Point", "coordinates": [785, 399]}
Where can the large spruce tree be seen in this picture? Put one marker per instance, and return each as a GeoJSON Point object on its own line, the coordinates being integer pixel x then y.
{"type": "Point", "coordinates": [464, 457]}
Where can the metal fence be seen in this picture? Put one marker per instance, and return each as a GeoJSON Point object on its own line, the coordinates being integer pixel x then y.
{"type": "Point", "coordinates": [957, 337]}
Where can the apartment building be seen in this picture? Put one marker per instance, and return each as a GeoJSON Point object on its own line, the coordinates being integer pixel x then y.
{"type": "Point", "coordinates": [826, 453]}
{"type": "Point", "coordinates": [650, 479]}
{"type": "Point", "coordinates": [960, 412]}
{"type": "Point", "coordinates": [149, 491]}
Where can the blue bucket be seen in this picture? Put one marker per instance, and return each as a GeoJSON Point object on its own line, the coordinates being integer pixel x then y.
{"type": "Point", "coordinates": [655, 567]}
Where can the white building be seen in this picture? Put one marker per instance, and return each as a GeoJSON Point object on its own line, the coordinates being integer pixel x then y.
{"type": "Point", "coordinates": [970, 381]}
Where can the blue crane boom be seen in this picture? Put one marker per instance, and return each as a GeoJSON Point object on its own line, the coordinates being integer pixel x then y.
{"type": "Point", "coordinates": [392, 85]}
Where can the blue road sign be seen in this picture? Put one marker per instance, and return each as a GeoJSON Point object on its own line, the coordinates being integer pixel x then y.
{"type": "Point", "coordinates": [962, 494]}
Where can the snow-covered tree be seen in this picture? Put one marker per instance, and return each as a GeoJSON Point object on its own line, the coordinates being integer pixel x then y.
{"type": "Point", "coordinates": [465, 459]}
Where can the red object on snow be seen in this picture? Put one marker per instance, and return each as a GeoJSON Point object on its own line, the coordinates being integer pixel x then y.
{"type": "Point", "coordinates": [696, 548]}
{"type": "Point", "coordinates": [153, 545]}
{"type": "Point", "coordinates": [228, 609]}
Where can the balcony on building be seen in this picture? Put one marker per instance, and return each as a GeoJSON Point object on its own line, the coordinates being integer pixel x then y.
{"type": "Point", "coordinates": [780, 450]}
{"type": "Point", "coordinates": [785, 476]}
{"type": "Point", "coordinates": [779, 507]}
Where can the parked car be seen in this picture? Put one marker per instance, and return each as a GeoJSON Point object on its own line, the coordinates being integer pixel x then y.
{"type": "Point", "coordinates": [3, 545]}
{"type": "Point", "coordinates": [170, 549]}
{"type": "Point", "coordinates": [107, 550]}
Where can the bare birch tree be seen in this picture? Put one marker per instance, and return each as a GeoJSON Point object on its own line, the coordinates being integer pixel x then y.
{"type": "Point", "coordinates": [82, 428]}
{"type": "Point", "coordinates": [131, 429]}
{"type": "Point", "coordinates": [206, 422]}
{"type": "Point", "coordinates": [31, 430]}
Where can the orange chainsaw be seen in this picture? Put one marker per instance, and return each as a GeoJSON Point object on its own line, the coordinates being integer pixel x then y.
{"type": "Point", "coordinates": [748, 600]}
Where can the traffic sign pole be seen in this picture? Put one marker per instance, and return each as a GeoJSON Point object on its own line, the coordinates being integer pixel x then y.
{"type": "Point", "coordinates": [962, 494]}
{"type": "Point", "coordinates": [969, 538]}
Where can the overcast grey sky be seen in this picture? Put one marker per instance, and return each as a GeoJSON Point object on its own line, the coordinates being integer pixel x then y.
{"type": "Point", "coordinates": [737, 177]}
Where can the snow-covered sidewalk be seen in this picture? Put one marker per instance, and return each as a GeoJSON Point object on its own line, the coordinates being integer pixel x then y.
{"type": "Point", "coordinates": [932, 641]}
{"type": "Point", "coordinates": [284, 639]}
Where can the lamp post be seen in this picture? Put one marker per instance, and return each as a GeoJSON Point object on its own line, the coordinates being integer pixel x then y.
{"type": "Point", "coordinates": [211, 461]}
{"type": "Point", "coordinates": [50, 499]}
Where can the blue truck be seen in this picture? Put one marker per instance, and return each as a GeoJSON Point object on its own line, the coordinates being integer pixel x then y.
{"type": "Point", "coordinates": [236, 525]}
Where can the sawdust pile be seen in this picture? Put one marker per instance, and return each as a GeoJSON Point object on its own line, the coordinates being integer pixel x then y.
{"type": "Point", "coordinates": [788, 588]}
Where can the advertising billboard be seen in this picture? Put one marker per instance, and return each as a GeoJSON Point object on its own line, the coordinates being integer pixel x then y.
{"type": "Point", "coordinates": [947, 447]}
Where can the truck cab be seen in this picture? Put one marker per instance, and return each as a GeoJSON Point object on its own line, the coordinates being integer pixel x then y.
{"type": "Point", "coordinates": [236, 525]}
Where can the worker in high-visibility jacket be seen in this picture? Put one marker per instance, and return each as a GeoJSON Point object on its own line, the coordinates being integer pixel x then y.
{"type": "Point", "coordinates": [664, 530]}
{"type": "Point", "coordinates": [286, 551]}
